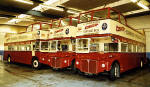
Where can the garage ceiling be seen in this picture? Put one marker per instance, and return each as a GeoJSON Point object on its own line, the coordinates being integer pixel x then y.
{"type": "Point", "coordinates": [11, 9]}
{"type": "Point", "coordinates": [87, 4]}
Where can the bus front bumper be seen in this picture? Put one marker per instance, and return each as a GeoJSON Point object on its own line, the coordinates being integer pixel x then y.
{"type": "Point", "coordinates": [92, 66]}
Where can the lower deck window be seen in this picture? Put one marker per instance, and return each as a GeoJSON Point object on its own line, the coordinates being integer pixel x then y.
{"type": "Point", "coordinates": [53, 45]}
{"type": "Point", "coordinates": [62, 46]}
{"type": "Point", "coordinates": [124, 47]}
{"type": "Point", "coordinates": [94, 47]}
{"type": "Point", "coordinates": [44, 45]}
{"type": "Point", "coordinates": [110, 46]}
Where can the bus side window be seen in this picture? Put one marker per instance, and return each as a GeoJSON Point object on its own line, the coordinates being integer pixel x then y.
{"type": "Point", "coordinates": [28, 47]}
{"type": "Point", "coordinates": [139, 48]}
{"type": "Point", "coordinates": [44, 45]}
{"type": "Point", "coordinates": [22, 48]}
{"type": "Point", "coordinates": [73, 41]}
{"type": "Point", "coordinates": [134, 48]}
{"type": "Point", "coordinates": [10, 48]}
{"type": "Point", "coordinates": [129, 47]}
{"type": "Point", "coordinates": [37, 46]}
{"type": "Point", "coordinates": [110, 46]}
{"type": "Point", "coordinates": [124, 47]}
{"type": "Point", "coordinates": [53, 45]}
{"type": "Point", "coordinates": [94, 47]}
{"type": "Point", "coordinates": [58, 46]}
{"type": "Point", "coordinates": [15, 48]}
{"type": "Point", "coordinates": [64, 47]}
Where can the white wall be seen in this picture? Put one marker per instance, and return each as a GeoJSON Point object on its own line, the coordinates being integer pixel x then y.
{"type": "Point", "coordinates": [142, 22]}
{"type": "Point", "coordinates": [2, 35]}
{"type": "Point", "coordinates": [9, 29]}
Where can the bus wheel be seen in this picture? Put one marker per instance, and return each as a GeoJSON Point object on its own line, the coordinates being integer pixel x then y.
{"type": "Point", "coordinates": [36, 64]}
{"type": "Point", "coordinates": [9, 59]}
{"type": "Point", "coordinates": [141, 64]}
{"type": "Point", "coordinates": [115, 71]}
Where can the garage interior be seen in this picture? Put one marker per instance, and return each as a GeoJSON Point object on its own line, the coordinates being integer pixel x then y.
{"type": "Point", "coordinates": [17, 15]}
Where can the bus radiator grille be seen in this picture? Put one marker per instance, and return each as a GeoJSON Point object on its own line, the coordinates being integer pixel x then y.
{"type": "Point", "coordinates": [84, 65]}
{"type": "Point", "coordinates": [92, 66]}
{"type": "Point", "coordinates": [89, 66]}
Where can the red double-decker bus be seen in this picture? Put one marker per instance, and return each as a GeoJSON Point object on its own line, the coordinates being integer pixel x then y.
{"type": "Point", "coordinates": [64, 37]}
{"type": "Point", "coordinates": [28, 47]}
{"type": "Point", "coordinates": [105, 43]}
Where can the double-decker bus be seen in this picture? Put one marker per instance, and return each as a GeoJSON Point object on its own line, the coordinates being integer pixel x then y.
{"type": "Point", "coordinates": [105, 43]}
{"type": "Point", "coordinates": [28, 47]}
{"type": "Point", "coordinates": [64, 42]}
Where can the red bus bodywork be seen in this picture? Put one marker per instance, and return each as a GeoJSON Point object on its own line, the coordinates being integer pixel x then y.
{"type": "Point", "coordinates": [92, 62]}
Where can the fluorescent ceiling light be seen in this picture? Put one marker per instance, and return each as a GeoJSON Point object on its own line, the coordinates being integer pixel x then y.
{"type": "Point", "coordinates": [27, 2]}
{"type": "Point", "coordinates": [13, 20]}
{"type": "Point", "coordinates": [23, 16]}
{"type": "Point", "coordinates": [4, 17]}
{"type": "Point", "coordinates": [43, 8]}
{"type": "Point", "coordinates": [49, 2]}
{"type": "Point", "coordinates": [143, 6]}
{"type": "Point", "coordinates": [134, 1]}
{"type": "Point", "coordinates": [37, 8]}
{"type": "Point", "coordinates": [56, 8]}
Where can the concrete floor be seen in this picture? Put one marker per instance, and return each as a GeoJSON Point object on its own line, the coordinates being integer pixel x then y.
{"type": "Point", "coordinates": [19, 75]}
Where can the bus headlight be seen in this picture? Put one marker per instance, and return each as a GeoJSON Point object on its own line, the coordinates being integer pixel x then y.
{"type": "Point", "coordinates": [77, 63]}
{"type": "Point", "coordinates": [103, 65]}
{"type": "Point", "coordinates": [65, 61]}
{"type": "Point", "coordinates": [43, 59]}
{"type": "Point", "coordinates": [49, 60]}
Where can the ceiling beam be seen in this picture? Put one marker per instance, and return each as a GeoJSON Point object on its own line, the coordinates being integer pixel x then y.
{"type": "Point", "coordinates": [138, 14]}
{"type": "Point", "coordinates": [28, 12]}
{"type": "Point", "coordinates": [118, 3]}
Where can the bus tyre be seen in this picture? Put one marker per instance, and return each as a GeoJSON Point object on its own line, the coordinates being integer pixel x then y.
{"type": "Point", "coordinates": [141, 64]}
{"type": "Point", "coordinates": [36, 64]}
{"type": "Point", "coordinates": [115, 71]}
{"type": "Point", "coordinates": [9, 59]}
